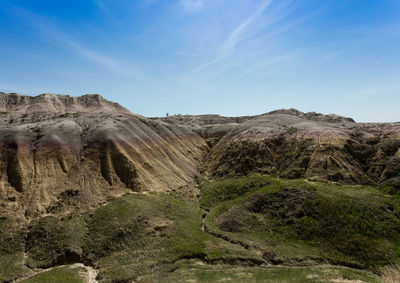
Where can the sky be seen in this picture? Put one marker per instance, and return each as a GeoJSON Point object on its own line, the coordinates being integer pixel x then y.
{"type": "Point", "coordinates": [228, 57]}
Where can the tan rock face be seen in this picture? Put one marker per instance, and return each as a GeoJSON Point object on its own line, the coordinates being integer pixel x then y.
{"type": "Point", "coordinates": [52, 103]}
{"type": "Point", "coordinates": [293, 144]}
{"type": "Point", "coordinates": [81, 153]}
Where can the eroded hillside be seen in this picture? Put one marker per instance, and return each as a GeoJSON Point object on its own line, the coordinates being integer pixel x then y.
{"type": "Point", "coordinates": [292, 144]}
{"type": "Point", "coordinates": [92, 192]}
{"type": "Point", "coordinates": [63, 154]}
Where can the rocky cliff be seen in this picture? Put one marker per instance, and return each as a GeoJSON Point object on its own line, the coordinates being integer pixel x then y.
{"type": "Point", "coordinates": [60, 153]}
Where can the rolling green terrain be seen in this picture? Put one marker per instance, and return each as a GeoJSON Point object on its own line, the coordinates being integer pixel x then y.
{"type": "Point", "coordinates": [255, 229]}
{"type": "Point", "coordinates": [59, 274]}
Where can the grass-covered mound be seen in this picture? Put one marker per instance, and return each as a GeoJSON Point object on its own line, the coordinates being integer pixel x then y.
{"type": "Point", "coordinates": [301, 274]}
{"type": "Point", "coordinates": [64, 274]}
{"type": "Point", "coordinates": [142, 234]}
{"type": "Point", "coordinates": [11, 250]}
{"type": "Point", "coordinates": [131, 236]}
{"type": "Point", "coordinates": [300, 221]}
{"type": "Point", "coordinates": [245, 225]}
{"type": "Point", "coordinates": [56, 241]}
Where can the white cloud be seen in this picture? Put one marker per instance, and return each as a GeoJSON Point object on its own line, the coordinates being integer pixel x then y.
{"type": "Point", "coordinates": [235, 37]}
{"type": "Point", "coordinates": [104, 60]}
{"type": "Point", "coordinates": [237, 33]}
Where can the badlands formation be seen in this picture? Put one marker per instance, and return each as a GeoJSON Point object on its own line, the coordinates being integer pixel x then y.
{"type": "Point", "coordinates": [92, 192]}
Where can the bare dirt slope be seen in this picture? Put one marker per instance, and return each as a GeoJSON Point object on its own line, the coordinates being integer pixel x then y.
{"type": "Point", "coordinates": [293, 144]}
{"type": "Point", "coordinates": [60, 153]}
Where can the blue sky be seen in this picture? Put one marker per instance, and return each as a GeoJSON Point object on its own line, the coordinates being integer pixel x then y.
{"type": "Point", "coordinates": [230, 57]}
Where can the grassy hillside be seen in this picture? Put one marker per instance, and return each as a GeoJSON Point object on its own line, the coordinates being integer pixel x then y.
{"type": "Point", "coordinates": [11, 249]}
{"type": "Point", "coordinates": [63, 274]}
{"type": "Point", "coordinates": [254, 229]}
{"type": "Point", "coordinates": [293, 221]}
{"type": "Point", "coordinates": [132, 236]}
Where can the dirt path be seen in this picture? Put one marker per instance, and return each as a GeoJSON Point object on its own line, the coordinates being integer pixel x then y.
{"type": "Point", "coordinates": [89, 275]}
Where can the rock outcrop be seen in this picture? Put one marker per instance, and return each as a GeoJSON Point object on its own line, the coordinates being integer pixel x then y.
{"type": "Point", "coordinates": [60, 154]}
{"type": "Point", "coordinates": [293, 144]}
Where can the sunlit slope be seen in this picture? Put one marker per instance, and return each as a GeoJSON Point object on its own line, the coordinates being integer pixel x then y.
{"type": "Point", "coordinates": [54, 162]}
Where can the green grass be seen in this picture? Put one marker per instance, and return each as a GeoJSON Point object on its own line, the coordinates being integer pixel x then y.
{"type": "Point", "coordinates": [221, 273]}
{"type": "Point", "coordinates": [295, 220]}
{"type": "Point", "coordinates": [159, 237]}
{"type": "Point", "coordinates": [56, 241]}
{"type": "Point", "coordinates": [215, 192]}
{"type": "Point", "coordinates": [11, 266]}
{"type": "Point", "coordinates": [140, 234]}
{"type": "Point", "coordinates": [63, 274]}
{"type": "Point", "coordinates": [11, 250]}
{"type": "Point", "coordinates": [131, 236]}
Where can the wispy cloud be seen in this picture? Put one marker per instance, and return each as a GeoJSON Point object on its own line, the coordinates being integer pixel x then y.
{"type": "Point", "coordinates": [271, 61]}
{"type": "Point", "coordinates": [330, 56]}
{"type": "Point", "coordinates": [259, 31]}
{"type": "Point", "coordinates": [187, 54]}
{"type": "Point", "coordinates": [206, 65]}
{"type": "Point", "coordinates": [245, 31]}
{"type": "Point", "coordinates": [192, 5]}
{"type": "Point", "coordinates": [379, 90]}
{"type": "Point", "coordinates": [237, 34]}
{"type": "Point", "coordinates": [104, 60]}
{"type": "Point", "coordinates": [101, 5]}
{"type": "Point", "coordinates": [51, 34]}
